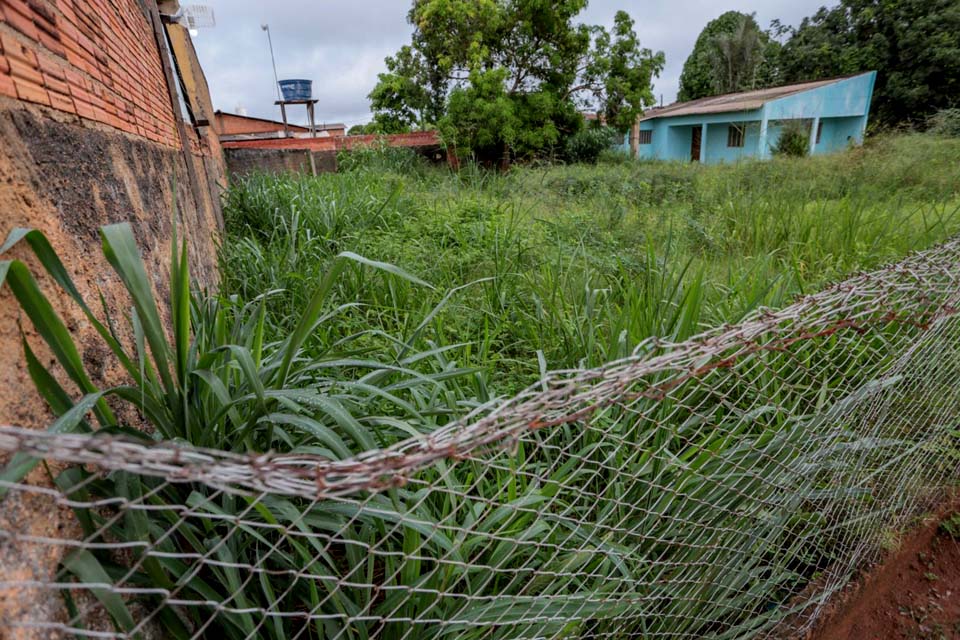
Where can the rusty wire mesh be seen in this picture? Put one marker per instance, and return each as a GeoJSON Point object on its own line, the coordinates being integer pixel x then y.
{"type": "Point", "coordinates": [723, 487]}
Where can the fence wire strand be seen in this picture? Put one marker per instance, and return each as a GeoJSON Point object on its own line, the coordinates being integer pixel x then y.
{"type": "Point", "coordinates": [723, 487]}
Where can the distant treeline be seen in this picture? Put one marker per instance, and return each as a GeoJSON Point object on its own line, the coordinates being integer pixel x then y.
{"type": "Point", "coordinates": [914, 45]}
{"type": "Point", "coordinates": [509, 79]}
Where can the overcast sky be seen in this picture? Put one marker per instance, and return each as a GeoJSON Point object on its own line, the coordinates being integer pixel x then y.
{"type": "Point", "coordinates": [341, 44]}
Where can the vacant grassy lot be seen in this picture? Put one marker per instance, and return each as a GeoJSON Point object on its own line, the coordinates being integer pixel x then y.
{"type": "Point", "coordinates": [456, 289]}
{"type": "Point", "coordinates": [558, 267]}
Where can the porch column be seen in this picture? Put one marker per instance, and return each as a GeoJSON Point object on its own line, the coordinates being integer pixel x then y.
{"type": "Point", "coordinates": [763, 151]}
{"type": "Point", "coordinates": [703, 143]}
{"type": "Point", "coordinates": [813, 133]}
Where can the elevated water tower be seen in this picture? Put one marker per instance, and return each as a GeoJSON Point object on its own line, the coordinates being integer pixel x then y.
{"type": "Point", "coordinates": [292, 91]}
{"type": "Point", "coordinates": [297, 91]}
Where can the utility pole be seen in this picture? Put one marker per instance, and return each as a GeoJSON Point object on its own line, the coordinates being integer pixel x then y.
{"type": "Point", "coordinates": [276, 79]}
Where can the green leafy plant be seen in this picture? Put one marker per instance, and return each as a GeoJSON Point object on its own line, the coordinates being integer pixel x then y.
{"type": "Point", "coordinates": [945, 122]}
{"type": "Point", "coordinates": [951, 526]}
{"type": "Point", "coordinates": [588, 144]}
{"type": "Point", "coordinates": [794, 140]}
{"type": "Point", "coordinates": [213, 381]}
{"type": "Point", "coordinates": [313, 350]}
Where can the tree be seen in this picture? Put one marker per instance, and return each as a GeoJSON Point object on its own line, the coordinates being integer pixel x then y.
{"type": "Point", "coordinates": [736, 56]}
{"type": "Point", "coordinates": [731, 54]}
{"type": "Point", "coordinates": [620, 72]}
{"type": "Point", "coordinates": [505, 78]}
{"type": "Point", "coordinates": [401, 99]}
{"type": "Point", "coordinates": [914, 45]}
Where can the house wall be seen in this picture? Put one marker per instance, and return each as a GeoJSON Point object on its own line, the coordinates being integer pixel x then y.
{"type": "Point", "coordinates": [717, 149]}
{"type": "Point", "coordinates": [840, 133]}
{"type": "Point", "coordinates": [677, 140]}
{"type": "Point", "coordinates": [844, 98]}
{"type": "Point", "coordinates": [672, 137]}
{"type": "Point", "coordinates": [229, 124]}
{"type": "Point", "coordinates": [843, 106]}
{"type": "Point", "coordinates": [89, 135]}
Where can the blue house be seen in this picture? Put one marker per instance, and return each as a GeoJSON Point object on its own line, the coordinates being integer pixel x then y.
{"type": "Point", "coordinates": [747, 125]}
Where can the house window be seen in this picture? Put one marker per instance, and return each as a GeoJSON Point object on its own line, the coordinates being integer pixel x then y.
{"type": "Point", "coordinates": [819, 131]}
{"type": "Point", "coordinates": [646, 136]}
{"type": "Point", "coordinates": [735, 135]}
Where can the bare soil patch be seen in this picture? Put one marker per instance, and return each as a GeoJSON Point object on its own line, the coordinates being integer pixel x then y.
{"type": "Point", "coordinates": [912, 594]}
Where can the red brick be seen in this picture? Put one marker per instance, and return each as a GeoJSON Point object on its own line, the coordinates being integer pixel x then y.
{"type": "Point", "coordinates": [84, 110]}
{"type": "Point", "coordinates": [52, 84]}
{"type": "Point", "coordinates": [53, 44]}
{"type": "Point", "coordinates": [79, 92]}
{"type": "Point", "coordinates": [67, 30]}
{"type": "Point", "coordinates": [18, 6]}
{"type": "Point", "coordinates": [48, 65]}
{"type": "Point", "coordinates": [61, 102]}
{"type": "Point", "coordinates": [44, 17]}
{"type": "Point", "coordinates": [31, 92]}
{"type": "Point", "coordinates": [18, 16]}
{"type": "Point", "coordinates": [74, 78]}
{"type": "Point", "coordinates": [4, 65]}
{"type": "Point", "coordinates": [73, 56]}
{"type": "Point", "coordinates": [12, 47]}
{"type": "Point", "coordinates": [67, 11]}
{"type": "Point", "coordinates": [22, 70]}
{"type": "Point", "coordinates": [7, 88]}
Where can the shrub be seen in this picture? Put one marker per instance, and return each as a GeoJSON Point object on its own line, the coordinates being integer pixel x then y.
{"type": "Point", "coordinates": [945, 122]}
{"type": "Point", "coordinates": [588, 144]}
{"type": "Point", "coordinates": [381, 157]}
{"type": "Point", "coordinates": [794, 140]}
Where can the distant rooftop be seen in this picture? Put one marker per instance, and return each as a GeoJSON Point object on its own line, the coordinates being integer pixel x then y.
{"type": "Point", "coordinates": [743, 101]}
{"type": "Point", "coordinates": [291, 126]}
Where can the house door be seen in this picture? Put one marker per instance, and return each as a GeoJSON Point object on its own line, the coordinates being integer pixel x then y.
{"type": "Point", "coordinates": [696, 132]}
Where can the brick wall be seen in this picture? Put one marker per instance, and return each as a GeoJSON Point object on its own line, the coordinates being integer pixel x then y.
{"type": "Point", "coordinates": [97, 60]}
{"type": "Point", "coordinates": [241, 162]}
{"type": "Point", "coordinates": [90, 134]}
{"type": "Point", "coordinates": [292, 155]}
{"type": "Point", "coordinates": [424, 139]}
{"type": "Point", "coordinates": [229, 124]}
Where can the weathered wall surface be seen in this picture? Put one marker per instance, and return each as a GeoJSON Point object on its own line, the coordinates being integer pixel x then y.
{"type": "Point", "coordinates": [229, 124]}
{"type": "Point", "coordinates": [421, 140]}
{"type": "Point", "coordinates": [293, 155]}
{"type": "Point", "coordinates": [241, 162]}
{"type": "Point", "coordinates": [91, 134]}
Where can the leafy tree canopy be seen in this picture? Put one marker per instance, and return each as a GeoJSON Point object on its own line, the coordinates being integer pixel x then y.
{"type": "Point", "coordinates": [731, 54]}
{"type": "Point", "coordinates": [504, 78]}
{"type": "Point", "coordinates": [914, 45]}
{"type": "Point", "coordinates": [401, 100]}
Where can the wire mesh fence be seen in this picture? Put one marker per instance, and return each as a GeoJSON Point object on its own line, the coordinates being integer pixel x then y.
{"type": "Point", "coordinates": [723, 487]}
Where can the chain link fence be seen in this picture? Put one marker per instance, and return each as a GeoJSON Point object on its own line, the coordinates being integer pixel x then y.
{"type": "Point", "coordinates": [723, 487]}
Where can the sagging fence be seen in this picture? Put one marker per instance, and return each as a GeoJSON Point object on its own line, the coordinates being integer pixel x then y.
{"type": "Point", "coordinates": [723, 487]}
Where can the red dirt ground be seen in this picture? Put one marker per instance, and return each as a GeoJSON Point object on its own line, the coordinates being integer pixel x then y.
{"type": "Point", "coordinates": [912, 594]}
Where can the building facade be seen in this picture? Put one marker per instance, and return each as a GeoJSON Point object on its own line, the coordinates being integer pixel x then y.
{"type": "Point", "coordinates": [736, 126]}
{"type": "Point", "coordinates": [104, 118]}
{"type": "Point", "coordinates": [232, 126]}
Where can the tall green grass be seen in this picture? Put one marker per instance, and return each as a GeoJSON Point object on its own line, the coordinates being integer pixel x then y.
{"type": "Point", "coordinates": [471, 286]}
{"type": "Point", "coordinates": [579, 264]}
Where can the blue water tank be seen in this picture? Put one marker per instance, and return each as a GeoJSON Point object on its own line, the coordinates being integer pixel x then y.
{"type": "Point", "coordinates": [296, 89]}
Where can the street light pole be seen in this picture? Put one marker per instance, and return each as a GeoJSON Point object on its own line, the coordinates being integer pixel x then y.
{"type": "Point", "coordinates": [276, 79]}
